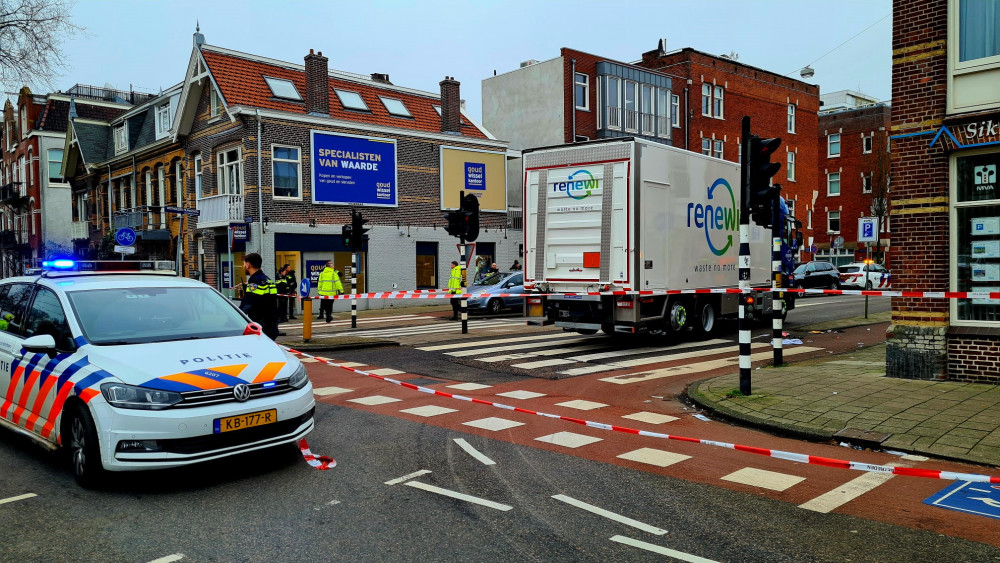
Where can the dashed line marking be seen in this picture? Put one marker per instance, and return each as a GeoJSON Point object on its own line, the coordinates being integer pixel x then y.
{"type": "Point", "coordinates": [762, 478]}
{"type": "Point", "coordinates": [474, 452]}
{"type": "Point", "coordinates": [661, 550]}
{"type": "Point", "coordinates": [610, 515]}
{"type": "Point", "coordinates": [374, 400]}
{"type": "Point", "coordinates": [568, 439]}
{"type": "Point", "coordinates": [458, 495]}
{"type": "Point", "coordinates": [17, 498]}
{"type": "Point", "coordinates": [407, 477]}
{"type": "Point", "coordinates": [169, 558]}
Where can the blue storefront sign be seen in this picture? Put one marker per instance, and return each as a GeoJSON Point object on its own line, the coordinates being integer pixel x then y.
{"type": "Point", "coordinates": [974, 498]}
{"type": "Point", "coordinates": [475, 176]}
{"type": "Point", "coordinates": [313, 268]}
{"type": "Point", "coordinates": [349, 170]}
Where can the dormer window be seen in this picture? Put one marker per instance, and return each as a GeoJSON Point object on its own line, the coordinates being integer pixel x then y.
{"type": "Point", "coordinates": [351, 100]}
{"type": "Point", "coordinates": [282, 88]}
{"type": "Point", "coordinates": [162, 119]}
{"type": "Point", "coordinates": [121, 138]}
{"type": "Point", "coordinates": [395, 107]}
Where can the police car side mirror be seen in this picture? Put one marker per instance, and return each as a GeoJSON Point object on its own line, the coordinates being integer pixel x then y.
{"type": "Point", "coordinates": [40, 344]}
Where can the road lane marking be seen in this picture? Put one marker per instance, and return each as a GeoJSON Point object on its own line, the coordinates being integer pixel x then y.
{"type": "Point", "coordinates": [17, 498]}
{"type": "Point", "coordinates": [374, 400]}
{"type": "Point", "coordinates": [458, 495]}
{"type": "Point", "coordinates": [474, 452]}
{"type": "Point", "coordinates": [428, 411]}
{"type": "Point", "coordinates": [521, 395]}
{"type": "Point", "coordinates": [316, 324]}
{"type": "Point", "coordinates": [407, 477]}
{"type": "Point", "coordinates": [654, 360]}
{"type": "Point", "coordinates": [581, 405]}
{"type": "Point", "coordinates": [847, 492]}
{"type": "Point", "coordinates": [549, 352]}
{"type": "Point", "coordinates": [610, 515]}
{"type": "Point", "coordinates": [764, 479]}
{"type": "Point", "coordinates": [649, 350]}
{"type": "Point", "coordinates": [493, 424]}
{"type": "Point", "coordinates": [655, 457]}
{"type": "Point", "coordinates": [651, 417]}
{"type": "Point", "coordinates": [661, 550]}
{"type": "Point", "coordinates": [468, 386]}
{"type": "Point", "coordinates": [568, 439]}
{"type": "Point", "coordinates": [638, 377]}
{"type": "Point", "coordinates": [474, 343]}
{"type": "Point", "coordinates": [530, 345]}
{"type": "Point", "coordinates": [169, 558]}
{"type": "Point", "coordinates": [386, 371]}
{"type": "Point", "coordinates": [323, 391]}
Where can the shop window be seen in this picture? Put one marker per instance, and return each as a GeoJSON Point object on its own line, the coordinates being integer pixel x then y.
{"type": "Point", "coordinates": [427, 265]}
{"type": "Point", "coordinates": [975, 225]}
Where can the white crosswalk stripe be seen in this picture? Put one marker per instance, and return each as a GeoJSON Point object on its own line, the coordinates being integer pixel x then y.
{"type": "Point", "coordinates": [475, 343]}
{"type": "Point", "coordinates": [604, 355]}
{"type": "Point", "coordinates": [416, 330]}
{"type": "Point", "coordinates": [657, 359]}
{"type": "Point", "coordinates": [366, 320]}
{"type": "Point", "coordinates": [528, 346]}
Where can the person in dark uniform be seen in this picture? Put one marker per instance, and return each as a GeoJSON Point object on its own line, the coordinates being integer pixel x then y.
{"type": "Point", "coordinates": [260, 296]}
{"type": "Point", "coordinates": [293, 286]}
{"type": "Point", "coordinates": [281, 284]}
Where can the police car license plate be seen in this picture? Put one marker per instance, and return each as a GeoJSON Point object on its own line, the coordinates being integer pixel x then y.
{"type": "Point", "coordinates": [243, 421]}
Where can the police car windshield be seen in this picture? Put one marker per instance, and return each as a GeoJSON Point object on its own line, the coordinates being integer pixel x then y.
{"type": "Point", "coordinates": [140, 315]}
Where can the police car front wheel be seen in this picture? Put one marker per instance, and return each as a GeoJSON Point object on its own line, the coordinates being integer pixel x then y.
{"type": "Point", "coordinates": [84, 448]}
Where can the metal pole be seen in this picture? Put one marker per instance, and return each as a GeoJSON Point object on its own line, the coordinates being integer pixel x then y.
{"type": "Point", "coordinates": [744, 259]}
{"type": "Point", "coordinates": [232, 274]}
{"type": "Point", "coordinates": [777, 299]}
{"type": "Point", "coordinates": [464, 303]}
{"type": "Point", "coordinates": [354, 289]}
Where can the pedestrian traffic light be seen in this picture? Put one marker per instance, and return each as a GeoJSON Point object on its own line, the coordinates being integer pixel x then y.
{"type": "Point", "coordinates": [346, 232]}
{"type": "Point", "coordinates": [470, 212]}
{"type": "Point", "coordinates": [763, 195]}
{"type": "Point", "coordinates": [358, 230]}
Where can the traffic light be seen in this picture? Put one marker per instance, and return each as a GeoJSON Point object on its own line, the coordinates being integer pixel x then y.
{"type": "Point", "coordinates": [763, 195]}
{"type": "Point", "coordinates": [358, 231]}
{"type": "Point", "coordinates": [456, 223]}
{"type": "Point", "coordinates": [470, 211]}
{"type": "Point", "coordinates": [346, 232]}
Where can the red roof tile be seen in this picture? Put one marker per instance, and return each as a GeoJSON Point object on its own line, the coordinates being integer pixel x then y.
{"type": "Point", "coordinates": [242, 83]}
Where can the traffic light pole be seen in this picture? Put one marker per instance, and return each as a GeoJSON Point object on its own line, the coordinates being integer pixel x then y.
{"type": "Point", "coordinates": [777, 299]}
{"type": "Point", "coordinates": [354, 288]}
{"type": "Point", "coordinates": [744, 259]}
{"type": "Point", "coordinates": [464, 303]}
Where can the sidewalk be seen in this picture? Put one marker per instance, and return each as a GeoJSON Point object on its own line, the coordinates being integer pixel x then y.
{"type": "Point", "coordinates": [849, 399]}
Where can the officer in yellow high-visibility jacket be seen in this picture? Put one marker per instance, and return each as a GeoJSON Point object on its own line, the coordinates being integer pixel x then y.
{"type": "Point", "coordinates": [455, 288]}
{"type": "Point", "coordinates": [328, 285]}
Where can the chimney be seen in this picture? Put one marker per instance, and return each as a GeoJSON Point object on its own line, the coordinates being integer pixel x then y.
{"type": "Point", "coordinates": [317, 84]}
{"type": "Point", "coordinates": [380, 77]}
{"type": "Point", "coordinates": [451, 115]}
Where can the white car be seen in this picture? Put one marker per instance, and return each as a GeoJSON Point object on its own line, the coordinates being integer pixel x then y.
{"type": "Point", "coordinates": [131, 371]}
{"type": "Point", "coordinates": [864, 275]}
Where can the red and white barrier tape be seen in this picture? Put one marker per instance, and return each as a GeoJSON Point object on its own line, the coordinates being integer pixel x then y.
{"type": "Point", "coordinates": [790, 456]}
{"type": "Point", "coordinates": [320, 462]}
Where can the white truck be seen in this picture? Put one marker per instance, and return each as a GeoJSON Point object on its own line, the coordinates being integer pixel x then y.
{"type": "Point", "coordinates": [628, 215]}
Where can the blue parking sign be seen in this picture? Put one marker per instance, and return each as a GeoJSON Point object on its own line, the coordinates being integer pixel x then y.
{"type": "Point", "coordinates": [869, 230]}
{"type": "Point", "coordinates": [974, 498]}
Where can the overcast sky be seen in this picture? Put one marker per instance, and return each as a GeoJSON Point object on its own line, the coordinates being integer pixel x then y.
{"type": "Point", "coordinates": [147, 44]}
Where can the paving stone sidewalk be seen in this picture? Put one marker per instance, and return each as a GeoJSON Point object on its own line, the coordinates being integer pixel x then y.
{"type": "Point", "coordinates": [848, 398]}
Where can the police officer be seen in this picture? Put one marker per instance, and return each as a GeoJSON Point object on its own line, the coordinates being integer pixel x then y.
{"type": "Point", "coordinates": [328, 285]}
{"type": "Point", "coordinates": [455, 288]}
{"type": "Point", "coordinates": [293, 286]}
{"type": "Point", "coordinates": [281, 283]}
{"type": "Point", "coordinates": [260, 296]}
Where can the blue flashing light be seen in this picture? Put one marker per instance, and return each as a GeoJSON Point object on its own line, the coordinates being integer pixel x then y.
{"type": "Point", "coordinates": [61, 264]}
{"type": "Point", "coordinates": [269, 384]}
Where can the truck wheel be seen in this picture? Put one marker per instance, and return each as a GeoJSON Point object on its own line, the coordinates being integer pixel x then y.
{"type": "Point", "coordinates": [678, 316]}
{"type": "Point", "coordinates": [83, 447]}
{"type": "Point", "coordinates": [707, 319]}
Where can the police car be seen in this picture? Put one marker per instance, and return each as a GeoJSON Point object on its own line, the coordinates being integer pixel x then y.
{"type": "Point", "coordinates": [136, 370]}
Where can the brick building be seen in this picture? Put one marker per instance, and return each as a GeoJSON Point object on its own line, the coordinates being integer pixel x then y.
{"type": "Point", "coordinates": [945, 198]}
{"type": "Point", "coordinates": [685, 98]}
{"type": "Point", "coordinates": [853, 167]}
{"type": "Point", "coordinates": [35, 200]}
{"type": "Point", "coordinates": [294, 147]}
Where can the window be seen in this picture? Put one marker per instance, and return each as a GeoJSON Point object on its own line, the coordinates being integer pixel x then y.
{"type": "Point", "coordinates": [718, 102]}
{"type": "Point", "coordinates": [55, 164]}
{"type": "Point", "coordinates": [198, 186]}
{"type": "Point", "coordinates": [149, 188]}
{"type": "Point", "coordinates": [675, 110]}
{"type": "Point", "coordinates": [978, 29]}
{"type": "Point", "coordinates": [866, 143]}
{"type": "Point", "coordinates": [24, 121]}
{"type": "Point", "coordinates": [12, 307]}
{"type": "Point", "coordinates": [975, 232]}
{"type": "Point", "coordinates": [866, 183]}
{"type": "Point", "coordinates": [230, 178]}
{"type": "Point", "coordinates": [80, 207]}
{"type": "Point", "coordinates": [47, 317]}
{"type": "Point", "coordinates": [351, 100]}
{"type": "Point", "coordinates": [178, 184]}
{"type": "Point", "coordinates": [833, 145]}
{"type": "Point", "coordinates": [646, 119]}
{"type": "Point", "coordinates": [717, 148]}
{"type": "Point", "coordinates": [791, 166]}
{"type": "Point", "coordinates": [833, 183]}
{"type": "Point", "coordinates": [791, 118]}
{"type": "Point", "coordinates": [662, 112]}
{"type": "Point", "coordinates": [215, 105]}
{"type": "Point", "coordinates": [706, 146]}
{"type": "Point", "coordinates": [427, 265]}
{"type": "Point", "coordinates": [706, 99]}
{"type": "Point", "coordinates": [395, 107]}
{"type": "Point", "coordinates": [791, 207]}
{"type": "Point", "coordinates": [614, 103]}
{"type": "Point", "coordinates": [121, 138]}
{"type": "Point", "coordinates": [286, 164]}
{"type": "Point", "coordinates": [631, 106]}
{"type": "Point", "coordinates": [161, 193]}
{"type": "Point", "coordinates": [833, 221]}
{"type": "Point", "coordinates": [282, 88]}
{"type": "Point", "coordinates": [162, 119]}
{"type": "Point", "coordinates": [581, 91]}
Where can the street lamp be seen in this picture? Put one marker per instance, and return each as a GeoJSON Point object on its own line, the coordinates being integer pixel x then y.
{"type": "Point", "coordinates": [807, 72]}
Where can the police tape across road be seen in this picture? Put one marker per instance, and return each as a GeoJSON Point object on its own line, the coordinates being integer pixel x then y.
{"type": "Point", "coordinates": [789, 456]}
{"type": "Point", "coordinates": [868, 292]}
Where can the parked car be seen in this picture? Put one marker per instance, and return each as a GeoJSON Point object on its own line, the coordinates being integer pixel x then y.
{"type": "Point", "coordinates": [864, 275]}
{"type": "Point", "coordinates": [497, 282]}
{"type": "Point", "coordinates": [815, 274]}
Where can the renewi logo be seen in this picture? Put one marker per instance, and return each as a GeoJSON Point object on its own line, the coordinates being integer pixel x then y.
{"type": "Point", "coordinates": [723, 217]}
{"type": "Point", "coordinates": [578, 188]}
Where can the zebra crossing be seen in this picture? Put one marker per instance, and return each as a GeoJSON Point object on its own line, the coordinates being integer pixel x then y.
{"type": "Point", "coordinates": [563, 354]}
{"type": "Point", "coordinates": [433, 328]}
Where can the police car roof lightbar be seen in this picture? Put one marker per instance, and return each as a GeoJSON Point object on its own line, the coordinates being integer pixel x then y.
{"type": "Point", "coordinates": [66, 266]}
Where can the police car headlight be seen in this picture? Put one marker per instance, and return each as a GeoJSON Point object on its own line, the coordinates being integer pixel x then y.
{"type": "Point", "coordinates": [299, 378]}
{"type": "Point", "coordinates": [132, 397]}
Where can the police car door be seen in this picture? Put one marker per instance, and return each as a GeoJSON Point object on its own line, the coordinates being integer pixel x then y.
{"type": "Point", "coordinates": [13, 302]}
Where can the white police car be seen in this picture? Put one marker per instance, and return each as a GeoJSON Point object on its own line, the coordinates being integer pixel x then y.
{"type": "Point", "coordinates": [136, 370]}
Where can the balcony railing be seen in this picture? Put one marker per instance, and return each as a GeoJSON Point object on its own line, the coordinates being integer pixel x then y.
{"type": "Point", "coordinates": [13, 191]}
{"type": "Point", "coordinates": [631, 120]}
{"type": "Point", "coordinates": [614, 117]}
{"type": "Point", "coordinates": [648, 121]}
{"type": "Point", "coordinates": [141, 218]}
{"type": "Point", "coordinates": [220, 210]}
{"type": "Point", "coordinates": [80, 230]}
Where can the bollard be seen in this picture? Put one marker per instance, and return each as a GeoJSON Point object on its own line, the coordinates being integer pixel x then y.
{"type": "Point", "coordinates": [307, 319]}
